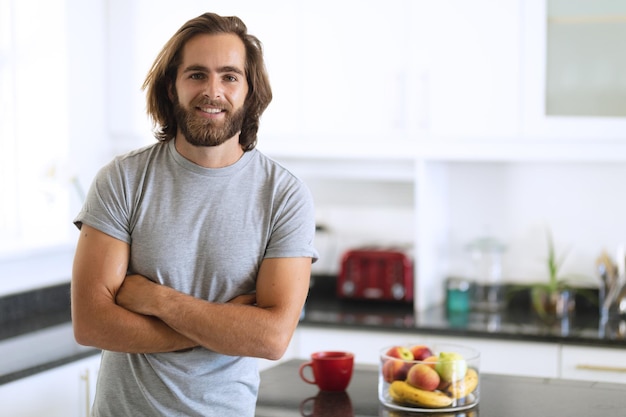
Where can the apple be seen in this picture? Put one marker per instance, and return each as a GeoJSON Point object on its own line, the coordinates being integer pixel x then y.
{"type": "Point", "coordinates": [451, 366]}
{"type": "Point", "coordinates": [420, 352]}
{"type": "Point", "coordinates": [400, 352]}
{"type": "Point", "coordinates": [423, 377]}
{"type": "Point", "coordinates": [444, 385]}
{"type": "Point", "coordinates": [431, 361]}
{"type": "Point", "coordinates": [395, 370]}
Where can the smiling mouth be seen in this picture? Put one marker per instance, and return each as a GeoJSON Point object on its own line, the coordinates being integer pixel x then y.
{"type": "Point", "coordinates": [210, 110]}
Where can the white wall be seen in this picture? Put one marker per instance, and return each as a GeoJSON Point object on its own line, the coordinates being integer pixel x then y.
{"type": "Point", "coordinates": [88, 133]}
{"type": "Point", "coordinates": [580, 203]}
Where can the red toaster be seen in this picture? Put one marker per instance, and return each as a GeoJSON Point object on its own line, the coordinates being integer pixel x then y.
{"type": "Point", "coordinates": [376, 274]}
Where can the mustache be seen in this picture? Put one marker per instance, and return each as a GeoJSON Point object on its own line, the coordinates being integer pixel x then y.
{"type": "Point", "coordinates": [212, 103]}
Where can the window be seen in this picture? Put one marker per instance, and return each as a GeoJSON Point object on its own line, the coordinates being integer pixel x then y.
{"type": "Point", "coordinates": [35, 179]}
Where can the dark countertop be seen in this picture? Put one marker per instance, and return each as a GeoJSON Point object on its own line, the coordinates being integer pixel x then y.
{"type": "Point", "coordinates": [34, 310]}
{"type": "Point", "coordinates": [46, 309]}
{"type": "Point", "coordinates": [517, 322]}
{"type": "Point", "coordinates": [36, 333]}
{"type": "Point", "coordinates": [283, 394]}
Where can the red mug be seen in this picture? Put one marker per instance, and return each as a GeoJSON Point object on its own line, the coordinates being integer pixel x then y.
{"type": "Point", "coordinates": [332, 370]}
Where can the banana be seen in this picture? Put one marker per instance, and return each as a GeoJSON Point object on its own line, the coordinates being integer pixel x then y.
{"type": "Point", "coordinates": [463, 387]}
{"type": "Point", "coordinates": [404, 393]}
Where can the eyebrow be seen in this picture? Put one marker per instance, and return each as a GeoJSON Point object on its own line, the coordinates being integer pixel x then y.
{"type": "Point", "coordinates": [221, 70]}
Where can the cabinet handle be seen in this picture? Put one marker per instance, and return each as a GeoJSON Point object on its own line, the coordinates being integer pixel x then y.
{"type": "Point", "coordinates": [601, 368]}
{"type": "Point", "coordinates": [85, 377]}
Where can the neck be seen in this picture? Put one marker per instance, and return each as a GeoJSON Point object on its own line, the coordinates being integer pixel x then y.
{"type": "Point", "coordinates": [220, 156]}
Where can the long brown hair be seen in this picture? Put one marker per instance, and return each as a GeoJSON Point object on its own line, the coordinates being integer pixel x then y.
{"type": "Point", "coordinates": [162, 76]}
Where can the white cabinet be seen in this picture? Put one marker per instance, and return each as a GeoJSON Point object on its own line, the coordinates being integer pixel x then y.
{"type": "Point", "coordinates": [532, 359]}
{"type": "Point", "coordinates": [593, 363]}
{"type": "Point", "coordinates": [344, 86]}
{"type": "Point", "coordinates": [66, 391]}
{"type": "Point", "coordinates": [365, 345]}
{"type": "Point", "coordinates": [497, 357]}
{"type": "Point", "coordinates": [353, 68]}
{"type": "Point", "coordinates": [602, 75]}
{"type": "Point", "coordinates": [466, 69]}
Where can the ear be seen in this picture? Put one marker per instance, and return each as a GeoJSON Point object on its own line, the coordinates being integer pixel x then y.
{"type": "Point", "coordinates": [171, 90]}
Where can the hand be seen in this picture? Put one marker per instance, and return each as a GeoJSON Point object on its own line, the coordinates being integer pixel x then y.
{"type": "Point", "coordinates": [136, 294]}
{"type": "Point", "coordinates": [247, 299]}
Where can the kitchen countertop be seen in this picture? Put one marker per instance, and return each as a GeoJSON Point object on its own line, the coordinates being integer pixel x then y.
{"type": "Point", "coordinates": [283, 394]}
{"type": "Point", "coordinates": [36, 333]}
{"type": "Point", "coordinates": [41, 318]}
{"type": "Point", "coordinates": [323, 308]}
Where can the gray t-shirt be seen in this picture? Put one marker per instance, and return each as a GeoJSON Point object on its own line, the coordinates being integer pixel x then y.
{"type": "Point", "coordinates": [203, 232]}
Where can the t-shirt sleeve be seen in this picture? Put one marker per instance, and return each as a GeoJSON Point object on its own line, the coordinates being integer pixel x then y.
{"type": "Point", "coordinates": [106, 207]}
{"type": "Point", "coordinates": [294, 229]}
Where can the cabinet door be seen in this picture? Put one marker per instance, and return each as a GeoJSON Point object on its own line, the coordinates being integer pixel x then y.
{"type": "Point", "coordinates": [573, 70]}
{"type": "Point", "coordinates": [531, 359]}
{"type": "Point", "coordinates": [466, 56]}
{"type": "Point", "coordinates": [59, 392]}
{"type": "Point", "coordinates": [593, 364]}
{"type": "Point", "coordinates": [353, 58]}
{"type": "Point", "coordinates": [496, 357]}
{"type": "Point", "coordinates": [366, 346]}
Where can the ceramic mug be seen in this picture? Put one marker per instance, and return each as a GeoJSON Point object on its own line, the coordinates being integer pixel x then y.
{"type": "Point", "coordinates": [332, 370]}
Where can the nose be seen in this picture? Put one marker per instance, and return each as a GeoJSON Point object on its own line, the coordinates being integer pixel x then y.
{"type": "Point", "coordinates": [213, 87]}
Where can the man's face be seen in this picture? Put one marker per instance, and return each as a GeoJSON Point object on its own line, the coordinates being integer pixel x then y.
{"type": "Point", "coordinates": [211, 89]}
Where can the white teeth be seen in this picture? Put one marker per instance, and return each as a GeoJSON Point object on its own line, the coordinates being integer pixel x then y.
{"type": "Point", "coordinates": [212, 111]}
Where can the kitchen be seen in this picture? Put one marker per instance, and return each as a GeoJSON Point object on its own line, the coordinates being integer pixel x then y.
{"type": "Point", "coordinates": [467, 148]}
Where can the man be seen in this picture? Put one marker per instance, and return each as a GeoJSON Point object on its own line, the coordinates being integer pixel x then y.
{"type": "Point", "coordinates": [194, 253]}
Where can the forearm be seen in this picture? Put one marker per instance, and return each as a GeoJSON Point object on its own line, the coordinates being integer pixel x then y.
{"type": "Point", "coordinates": [240, 330]}
{"type": "Point", "coordinates": [259, 325]}
{"type": "Point", "coordinates": [99, 270]}
{"type": "Point", "coordinates": [108, 326]}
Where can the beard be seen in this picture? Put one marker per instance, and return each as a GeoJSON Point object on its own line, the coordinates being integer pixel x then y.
{"type": "Point", "coordinates": [199, 131]}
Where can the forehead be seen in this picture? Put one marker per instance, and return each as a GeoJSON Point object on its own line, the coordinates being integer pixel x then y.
{"type": "Point", "coordinates": [214, 51]}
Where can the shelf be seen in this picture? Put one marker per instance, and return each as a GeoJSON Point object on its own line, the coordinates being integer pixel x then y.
{"type": "Point", "coordinates": [367, 168]}
{"type": "Point", "coordinates": [522, 150]}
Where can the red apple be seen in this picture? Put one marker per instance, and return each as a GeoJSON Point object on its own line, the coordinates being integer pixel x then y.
{"type": "Point", "coordinates": [431, 361]}
{"type": "Point", "coordinates": [395, 370]}
{"type": "Point", "coordinates": [423, 377]}
{"type": "Point", "coordinates": [400, 352]}
{"type": "Point", "coordinates": [420, 352]}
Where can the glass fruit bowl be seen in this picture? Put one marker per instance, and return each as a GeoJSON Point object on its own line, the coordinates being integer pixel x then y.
{"type": "Point", "coordinates": [422, 377]}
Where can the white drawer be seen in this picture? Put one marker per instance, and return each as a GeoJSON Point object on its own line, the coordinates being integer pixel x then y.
{"type": "Point", "coordinates": [593, 363]}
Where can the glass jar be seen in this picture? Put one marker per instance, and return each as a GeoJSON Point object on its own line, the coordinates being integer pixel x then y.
{"type": "Point", "coordinates": [486, 275]}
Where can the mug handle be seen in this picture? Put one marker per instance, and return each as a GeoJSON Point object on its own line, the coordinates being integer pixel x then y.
{"type": "Point", "coordinates": [301, 372]}
{"type": "Point", "coordinates": [303, 406]}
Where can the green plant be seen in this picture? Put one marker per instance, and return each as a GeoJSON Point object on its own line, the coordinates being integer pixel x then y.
{"type": "Point", "coordinates": [545, 296]}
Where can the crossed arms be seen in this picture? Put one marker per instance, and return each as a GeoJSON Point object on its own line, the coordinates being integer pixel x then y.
{"type": "Point", "coordinates": [129, 313]}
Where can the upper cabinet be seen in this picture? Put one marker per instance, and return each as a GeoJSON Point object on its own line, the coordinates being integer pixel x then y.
{"type": "Point", "coordinates": [573, 69]}
{"type": "Point", "coordinates": [347, 87]}
{"type": "Point", "coordinates": [465, 59]}
{"type": "Point", "coordinates": [432, 79]}
{"type": "Point", "coordinates": [399, 79]}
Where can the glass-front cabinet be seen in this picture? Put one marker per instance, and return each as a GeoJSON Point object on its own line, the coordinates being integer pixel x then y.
{"type": "Point", "coordinates": [574, 69]}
